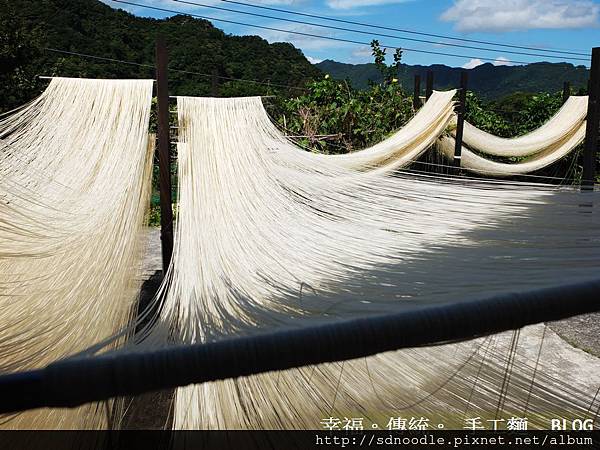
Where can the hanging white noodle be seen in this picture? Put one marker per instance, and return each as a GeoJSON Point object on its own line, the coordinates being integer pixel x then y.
{"type": "Point", "coordinates": [75, 172]}
{"type": "Point", "coordinates": [475, 163]}
{"type": "Point", "coordinates": [399, 150]}
{"type": "Point", "coordinates": [564, 123]}
{"type": "Point", "coordinates": [267, 237]}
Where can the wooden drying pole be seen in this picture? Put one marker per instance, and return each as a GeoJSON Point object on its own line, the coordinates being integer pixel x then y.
{"type": "Point", "coordinates": [417, 93]}
{"type": "Point", "coordinates": [460, 118]}
{"type": "Point", "coordinates": [566, 91]}
{"type": "Point", "coordinates": [429, 84]}
{"type": "Point", "coordinates": [163, 152]}
{"type": "Point", "coordinates": [593, 124]}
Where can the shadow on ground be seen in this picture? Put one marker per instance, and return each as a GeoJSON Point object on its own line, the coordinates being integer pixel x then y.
{"type": "Point", "coordinates": [151, 411]}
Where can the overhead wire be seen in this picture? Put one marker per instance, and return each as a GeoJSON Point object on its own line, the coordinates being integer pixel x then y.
{"type": "Point", "coordinates": [313, 35]}
{"type": "Point", "coordinates": [151, 66]}
{"type": "Point", "coordinates": [403, 30]}
{"type": "Point", "coordinates": [370, 33]}
{"type": "Point", "coordinates": [228, 78]}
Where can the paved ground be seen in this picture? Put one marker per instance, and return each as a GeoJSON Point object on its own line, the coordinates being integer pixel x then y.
{"type": "Point", "coordinates": [150, 411]}
{"type": "Point", "coordinates": [568, 350]}
{"type": "Point", "coordinates": [152, 259]}
{"type": "Point", "coordinates": [581, 331]}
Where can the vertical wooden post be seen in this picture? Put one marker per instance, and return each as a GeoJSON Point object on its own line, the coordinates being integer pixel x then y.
{"type": "Point", "coordinates": [460, 118]}
{"type": "Point", "coordinates": [214, 88]}
{"type": "Point", "coordinates": [429, 85]}
{"type": "Point", "coordinates": [593, 124]}
{"type": "Point", "coordinates": [163, 152]}
{"type": "Point", "coordinates": [566, 91]}
{"type": "Point", "coordinates": [417, 93]}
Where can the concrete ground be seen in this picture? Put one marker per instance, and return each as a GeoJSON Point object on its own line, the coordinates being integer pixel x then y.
{"type": "Point", "coordinates": [571, 349]}
{"type": "Point", "coordinates": [150, 411]}
{"type": "Point", "coordinates": [581, 331]}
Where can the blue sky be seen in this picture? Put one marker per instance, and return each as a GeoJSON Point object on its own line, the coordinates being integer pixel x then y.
{"type": "Point", "coordinates": [558, 24]}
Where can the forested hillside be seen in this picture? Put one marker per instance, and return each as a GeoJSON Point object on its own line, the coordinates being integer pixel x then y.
{"type": "Point", "coordinates": [92, 27]}
{"type": "Point", "coordinates": [31, 27]}
{"type": "Point", "coordinates": [489, 81]}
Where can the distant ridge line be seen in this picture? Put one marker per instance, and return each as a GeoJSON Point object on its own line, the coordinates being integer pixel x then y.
{"type": "Point", "coordinates": [487, 80]}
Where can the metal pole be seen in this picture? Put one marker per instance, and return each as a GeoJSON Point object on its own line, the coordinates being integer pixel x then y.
{"type": "Point", "coordinates": [429, 85]}
{"type": "Point", "coordinates": [566, 91]}
{"type": "Point", "coordinates": [417, 93]}
{"type": "Point", "coordinates": [593, 124]}
{"type": "Point", "coordinates": [78, 380]}
{"type": "Point", "coordinates": [163, 152]}
{"type": "Point", "coordinates": [460, 118]}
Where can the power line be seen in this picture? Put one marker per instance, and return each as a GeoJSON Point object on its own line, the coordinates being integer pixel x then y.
{"type": "Point", "coordinates": [300, 33]}
{"type": "Point", "coordinates": [189, 72]}
{"type": "Point", "coordinates": [401, 30]}
{"type": "Point", "coordinates": [245, 80]}
{"type": "Point", "coordinates": [102, 58]}
{"type": "Point", "coordinates": [369, 33]}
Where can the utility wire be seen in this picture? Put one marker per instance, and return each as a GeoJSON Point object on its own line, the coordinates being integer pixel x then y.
{"type": "Point", "coordinates": [150, 66]}
{"type": "Point", "coordinates": [245, 80]}
{"type": "Point", "coordinates": [318, 36]}
{"type": "Point", "coordinates": [369, 33]}
{"type": "Point", "coordinates": [101, 58]}
{"type": "Point", "coordinates": [401, 30]}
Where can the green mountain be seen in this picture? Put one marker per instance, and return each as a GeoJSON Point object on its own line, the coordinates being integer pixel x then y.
{"type": "Point", "coordinates": [31, 27]}
{"type": "Point", "coordinates": [489, 81]}
{"type": "Point", "coordinates": [92, 27]}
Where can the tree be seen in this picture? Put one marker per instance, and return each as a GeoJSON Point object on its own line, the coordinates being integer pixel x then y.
{"type": "Point", "coordinates": [333, 117]}
{"type": "Point", "coordinates": [389, 73]}
{"type": "Point", "coordinates": [19, 49]}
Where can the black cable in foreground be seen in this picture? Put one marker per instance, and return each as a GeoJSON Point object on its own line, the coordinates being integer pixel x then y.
{"type": "Point", "coordinates": [73, 382]}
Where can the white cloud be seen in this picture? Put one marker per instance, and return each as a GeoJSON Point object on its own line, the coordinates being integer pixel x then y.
{"type": "Point", "coordinates": [298, 40]}
{"type": "Point", "coordinates": [349, 4]}
{"type": "Point", "coordinates": [473, 63]}
{"type": "Point", "coordinates": [280, 2]}
{"type": "Point", "coordinates": [313, 60]}
{"type": "Point", "coordinates": [502, 61]}
{"type": "Point", "coordinates": [499, 61]}
{"type": "Point", "coordinates": [511, 15]}
{"type": "Point", "coordinates": [362, 54]}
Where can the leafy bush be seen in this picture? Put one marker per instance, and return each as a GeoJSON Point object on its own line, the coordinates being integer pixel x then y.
{"type": "Point", "coordinates": [332, 117]}
{"type": "Point", "coordinates": [521, 113]}
{"type": "Point", "coordinates": [513, 115]}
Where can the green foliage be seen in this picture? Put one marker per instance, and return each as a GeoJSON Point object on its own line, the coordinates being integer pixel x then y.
{"type": "Point", "coordinates": [388, 73]}
{"type": "Point", "coordinates": [529, 111]}
{"type": "Point", "coordinates": [332, 117]}
{"type": "Point", "coordinates": [19, 46]}
{"type": "Point", "coordinates": [514, 115]}
{"type": "Point", "coordinates": [488, 81]}
{"type": "Point", "coordinates": [518, 114]}
{"type": "Point", "coordinates": [92, 27]}
{"type": "Point", "coordinates": [154, 216]}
